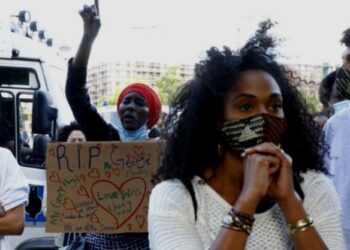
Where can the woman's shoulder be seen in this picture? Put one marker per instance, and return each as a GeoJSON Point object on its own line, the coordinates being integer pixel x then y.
{"type": "Point", "coordinates": [319, 189]}
{"type": "Point", "coordinates": [5, 154]}
{"type": "Point", "coordinates": [312, 179]}
{"type": "Point", "coordinates": [170, 196]}
{"type": "Point", "coordinates": [174, 188]}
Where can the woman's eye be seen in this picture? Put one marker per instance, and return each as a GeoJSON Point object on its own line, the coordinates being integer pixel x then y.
{"type": "Point", "coordinates": [126, 101]}
{"type": "Point", "coordinates": [245, 107]}
{"type": "Point", "coordinates": [140, 103]}
{"type": "Point", "coordinates": [276, 106]}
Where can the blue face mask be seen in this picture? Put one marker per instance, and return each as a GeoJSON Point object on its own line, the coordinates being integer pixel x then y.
{"type": "Point", "coordinates": [136, 135]}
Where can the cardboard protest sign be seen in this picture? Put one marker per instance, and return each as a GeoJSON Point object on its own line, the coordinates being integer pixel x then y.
{"type": "Point", "coordinates": [100, 187]}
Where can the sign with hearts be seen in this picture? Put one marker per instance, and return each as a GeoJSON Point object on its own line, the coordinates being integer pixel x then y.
{"type": "Point", "coordinates": [100, 187]}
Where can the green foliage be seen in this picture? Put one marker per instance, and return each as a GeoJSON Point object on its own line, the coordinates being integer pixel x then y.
{"type": "Point", "coordinates": [168, 84]}
{"type": "Point", "coordinates": [312, 102]}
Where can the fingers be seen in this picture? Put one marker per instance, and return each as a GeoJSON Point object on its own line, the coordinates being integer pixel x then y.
{"type": "Point", "coordinates": [84, 15]}
{"type": "Point", "coordinates": [88, 12]}
{"type": "Point", "coordinates": [97, 7]}
{"type": "Point", "coordinates": [272, 163]}
{"type": "Point", "coordinates": [271, 149]}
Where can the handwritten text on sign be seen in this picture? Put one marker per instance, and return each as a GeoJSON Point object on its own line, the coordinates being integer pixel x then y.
{"type": "Point", "coordinates": [100, 187]}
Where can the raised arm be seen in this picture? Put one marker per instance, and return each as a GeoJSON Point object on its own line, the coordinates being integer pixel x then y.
{"type": "Point", "coordinates": [93, 125]}
{"type": "Point", "coordinates": [92, 24]}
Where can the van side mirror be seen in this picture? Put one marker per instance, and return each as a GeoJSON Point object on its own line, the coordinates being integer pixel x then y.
{"type": "Point", "coordinates": [43, 114]}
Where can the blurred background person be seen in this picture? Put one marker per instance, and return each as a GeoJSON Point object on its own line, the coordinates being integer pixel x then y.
{"type": "Point", "coordinates": [337, 134]}
{"type": "Point", "coordinates": [14, 191]}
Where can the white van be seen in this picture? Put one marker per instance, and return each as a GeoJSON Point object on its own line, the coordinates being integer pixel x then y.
{"type": "Point", "coordinates": [30, 70]}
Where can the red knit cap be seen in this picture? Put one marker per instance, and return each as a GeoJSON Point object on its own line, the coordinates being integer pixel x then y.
{"type": "Point", "coordinates": [151, 98]}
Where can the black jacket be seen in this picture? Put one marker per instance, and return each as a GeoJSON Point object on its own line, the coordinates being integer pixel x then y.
{"type": "Point", "coordinates": [92, 123]}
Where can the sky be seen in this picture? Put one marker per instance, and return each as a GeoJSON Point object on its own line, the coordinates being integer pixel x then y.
{"type": "Point", "coordinates": [180, 31]}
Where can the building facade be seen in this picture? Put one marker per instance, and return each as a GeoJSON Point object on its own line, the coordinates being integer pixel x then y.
{"type": "Point", "coordinates": [103, 78]}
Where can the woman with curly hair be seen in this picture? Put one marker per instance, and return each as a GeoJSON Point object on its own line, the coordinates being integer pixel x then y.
{"type": "Point", "coordinates": [243, 167]}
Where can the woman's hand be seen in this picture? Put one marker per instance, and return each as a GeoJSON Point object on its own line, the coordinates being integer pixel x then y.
{"type": "Point", "coordinates": [258, 171]}
{"type": "Point", "coordinates": [281, 186]}
{"type": "Point", "coordinates": [91, 19]}
{"type": "Point", "coordinates": [92, 24]}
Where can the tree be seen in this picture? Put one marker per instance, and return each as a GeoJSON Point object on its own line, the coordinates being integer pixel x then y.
{"type": "Point", "coordinates": [168, 84]}
{"type": "Point", "coordinates": [312, 102]}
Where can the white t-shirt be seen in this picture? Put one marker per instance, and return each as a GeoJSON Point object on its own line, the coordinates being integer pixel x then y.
{"type": "Point", "coordinates": [13, 187]}
{"type": "Point", "coordinates": [172, 223]}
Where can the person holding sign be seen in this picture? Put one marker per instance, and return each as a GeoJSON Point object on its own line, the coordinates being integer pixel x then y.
{"type": "Point", "coordinates": [243, 166]}
{"type": "Point", "coordinates": [138, 107]}
{"type": "Point", "coordinates": [14, 191]}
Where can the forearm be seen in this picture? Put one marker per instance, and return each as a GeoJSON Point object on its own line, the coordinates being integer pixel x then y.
{"type": "Point", "coordinates": [13, 222]}
{"type": "Point", "coordinates": [82, 56]}
{"type": "Point", "coordinates": [235, 239]}
{"type": "Point", "coordinates": [293, 211]}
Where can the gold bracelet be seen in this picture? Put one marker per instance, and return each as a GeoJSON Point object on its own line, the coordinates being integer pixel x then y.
{"type": "Point", "coordinates": [300, 225]}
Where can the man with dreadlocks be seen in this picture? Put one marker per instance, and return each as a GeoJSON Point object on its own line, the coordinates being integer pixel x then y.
{"type": "Point", "coordinates": [336, 133]}
{"type": "Point", "coordinates": [243, 166]}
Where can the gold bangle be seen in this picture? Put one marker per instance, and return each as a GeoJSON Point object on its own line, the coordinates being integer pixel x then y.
{"type": "Point", "coordinates": [300, 225]}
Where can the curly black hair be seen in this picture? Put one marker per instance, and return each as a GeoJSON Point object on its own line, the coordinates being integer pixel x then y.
{"type": "Point", "coordinates": [325, 88]}
{"type": "Point", "coordinates": [198, 108]}
{"type": "Point", "coordinates": [346, 38]}
{"type": "Point", "coordinates": [65, 131]}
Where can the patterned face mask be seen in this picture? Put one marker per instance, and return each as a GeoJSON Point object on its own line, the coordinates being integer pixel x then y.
{"type": "Point", "coordinates": [342, 82]}
{"type": "Point", "coordinates": [242, 134]}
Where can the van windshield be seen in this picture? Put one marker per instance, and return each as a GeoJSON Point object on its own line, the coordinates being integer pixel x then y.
{"type": "Point", "coordinates": [18, 78]}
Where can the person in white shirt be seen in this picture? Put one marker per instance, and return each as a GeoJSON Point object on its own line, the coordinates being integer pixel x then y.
{"type": "Point", "coordinates": [13, 197]}
{"type": "Point", "coordinates": [243, 166]}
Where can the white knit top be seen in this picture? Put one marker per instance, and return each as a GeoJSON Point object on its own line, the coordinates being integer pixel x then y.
{"type": "Point", "coordinates": [172, 223]}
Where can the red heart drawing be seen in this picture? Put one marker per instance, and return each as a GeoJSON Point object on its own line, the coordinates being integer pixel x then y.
{"type": "Point", "coordinates": [68, 204]}
{"type": "Point", "coordinates": [108, 174]}
{"type": "Point", "coordinates": [82, 191]}
{"type": "Point", "coordinates": [116, 171]}
{"type": "Point", "coordinates": [54, 177]}
{"type": "Point", "coordinates": [105, 187]}
{"type": "Point", "coordinates": [94, 173]}
{"type": "Point", "coordinates": [140, 219]}
{"type": "Point", "coordinates": [52, 152]}
{"type": "Point", "coordinates": [129, 227]}
{"type": "Point", "coordinates": [94, 218]}
{"type": "Point", "coordinates": [82, 177]}
{"type": "Point", "coordinates": [79, 146]}
{"type": "Point", "coordinates": [138, 150]}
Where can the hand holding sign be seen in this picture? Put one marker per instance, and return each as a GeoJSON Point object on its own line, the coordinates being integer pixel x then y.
{"type": "Point", "coordinates": [91, 19]}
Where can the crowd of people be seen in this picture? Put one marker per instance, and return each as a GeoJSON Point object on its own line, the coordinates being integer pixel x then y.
{"type": "Point", "coordinates": [246, 165]}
